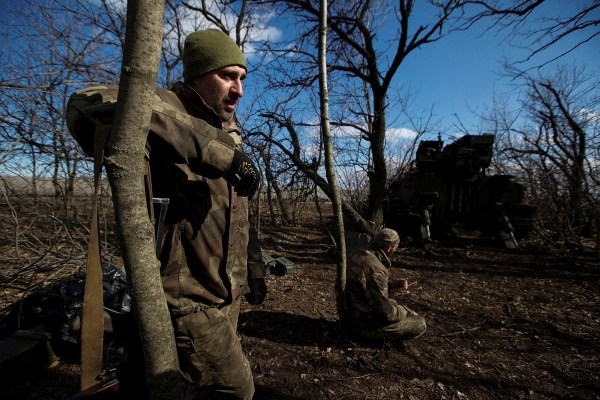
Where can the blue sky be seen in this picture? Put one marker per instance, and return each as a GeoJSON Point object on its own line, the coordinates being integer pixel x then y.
{"type": "Point", "coordinates": [461, 72]}
{"type": "Point", "coordinates": [458, 77]}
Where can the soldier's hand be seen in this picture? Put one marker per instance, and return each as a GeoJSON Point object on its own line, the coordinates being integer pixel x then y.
{"type": "Point", "coordinates": [401, 283]}
{"type": "Point", "coordinates": [258, 291]}
{"type": "Point", "coordinates": [243, 175]}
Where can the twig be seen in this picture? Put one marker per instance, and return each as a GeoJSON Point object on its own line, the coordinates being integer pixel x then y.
{"type": "Point", "coordinates": [461, 332]}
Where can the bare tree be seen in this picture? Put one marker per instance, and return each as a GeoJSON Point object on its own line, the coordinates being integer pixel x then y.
{"type": "Point", "coordinates": [525, 23]}
{"type": "Point", "coordinates": [368, 43]}
{"type": "Point", "coordinates": [353, 55]}
{"type": "Point", "coordinates": [125, 162]}
{"type": "Point", "coordinates": [329, 164]}
{"type": "Point", "coordinates": [272, 172]}
{"type": "Point", "coordinates": [555, 148]}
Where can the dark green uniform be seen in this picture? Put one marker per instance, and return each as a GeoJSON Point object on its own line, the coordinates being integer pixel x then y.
{"type": "Point", "coordinates": [371, 314]}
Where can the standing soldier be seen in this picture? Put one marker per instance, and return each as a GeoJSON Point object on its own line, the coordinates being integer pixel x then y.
{"type": "Point", "coordinates": [205, 246]}
{"type": "Point", "coordinates": [204, 256]}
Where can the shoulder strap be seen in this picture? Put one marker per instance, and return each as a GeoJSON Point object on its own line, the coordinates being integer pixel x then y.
{"type": "Point", "coordinates": [92, 329]}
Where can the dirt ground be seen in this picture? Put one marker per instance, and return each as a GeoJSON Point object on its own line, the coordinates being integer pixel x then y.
{"type": "Point", "coordinates": [502, 324]}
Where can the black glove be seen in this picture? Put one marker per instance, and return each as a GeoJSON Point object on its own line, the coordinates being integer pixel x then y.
{"type": "Point", "coordinates": [243, 175]}
{"type": "Point", "coordinates": [258, 291]}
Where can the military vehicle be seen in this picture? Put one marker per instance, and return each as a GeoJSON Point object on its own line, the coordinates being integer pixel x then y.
{"type": "Point", "coordinates": [446, 193]}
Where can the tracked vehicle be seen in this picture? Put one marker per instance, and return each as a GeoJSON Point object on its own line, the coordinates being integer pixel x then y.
{"type": "Point", "coordinates": [446, 193]}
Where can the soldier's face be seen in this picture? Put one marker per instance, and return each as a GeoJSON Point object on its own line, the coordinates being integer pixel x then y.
{"type": "Point", "coordinates": [391, 249]}
{"type": "Point", "coordinates": [221, 89]}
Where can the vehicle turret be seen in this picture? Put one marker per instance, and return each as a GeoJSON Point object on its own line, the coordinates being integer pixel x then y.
{"type": "Point", "coordinates": [447, 192]}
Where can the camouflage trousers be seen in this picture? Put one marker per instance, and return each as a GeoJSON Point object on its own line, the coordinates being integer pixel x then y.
{"type": "Point", "coordinates": [211, 358]}
{"type": "Point", "coordinates": [410, 326]}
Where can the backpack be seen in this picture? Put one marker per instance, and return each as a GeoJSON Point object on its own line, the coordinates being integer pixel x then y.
{"type": "Point", "coordinates": [87, 110]}
{"type": "Point", "coordinates": [93, 108]}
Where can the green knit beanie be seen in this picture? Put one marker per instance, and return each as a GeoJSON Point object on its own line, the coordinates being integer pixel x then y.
{"type": "Point", "coordinates": [208, 50]}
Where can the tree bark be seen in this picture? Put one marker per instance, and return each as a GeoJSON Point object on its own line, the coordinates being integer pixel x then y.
{"type": "Point", "coordinates": [329, 161]}
{"type": "Point", "coordinates": [125, 161]}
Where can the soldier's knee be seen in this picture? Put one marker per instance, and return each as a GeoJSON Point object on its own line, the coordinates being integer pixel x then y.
{"type": "Point", "coordinates": [415, 327]}
{"type": "Point", "coordinates": [421, 326]}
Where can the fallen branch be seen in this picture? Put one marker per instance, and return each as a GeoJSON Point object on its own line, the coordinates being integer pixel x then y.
{"type": "Point", "coordinates": [462, 332]}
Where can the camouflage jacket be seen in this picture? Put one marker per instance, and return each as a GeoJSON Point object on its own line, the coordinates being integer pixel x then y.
{"type": "Point", "coordinates": [367, 276]}
{"type": "Point", "coordinates": [205, 246]}
{"type": "Point", "coordinates": [204, 257]}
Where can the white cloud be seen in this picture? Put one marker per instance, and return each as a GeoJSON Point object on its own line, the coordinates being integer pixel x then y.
{"type": "Point", "coordinates": [590, 115]}
{"type": "Point", "coordinates": [400, 133]}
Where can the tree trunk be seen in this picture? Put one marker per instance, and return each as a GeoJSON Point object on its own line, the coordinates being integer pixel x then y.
{"type": "Point", "coordinates": [330, 163]}
{"type": "Point", "coordinates": [126, 167]}
{"type": "Point", "coordinates": [598, 236]}
{"type": "Point", "coordinates": [377, 173]}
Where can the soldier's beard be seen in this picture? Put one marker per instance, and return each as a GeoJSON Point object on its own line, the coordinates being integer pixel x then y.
{"type": "Point", "coordinates": [220, 109]}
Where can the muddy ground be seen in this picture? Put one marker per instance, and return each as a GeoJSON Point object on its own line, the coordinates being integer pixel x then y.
{"type": "Point", "coordinates": [502, 324]}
